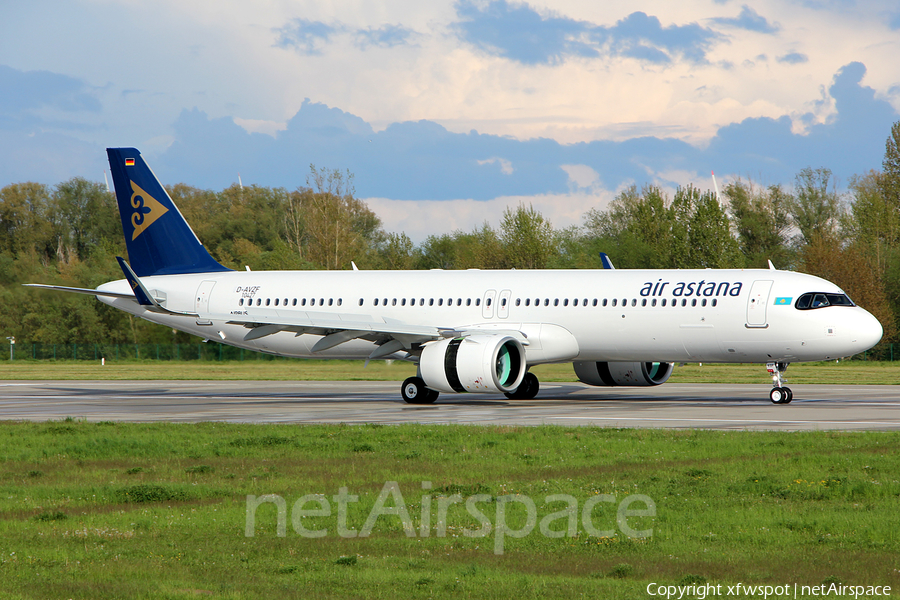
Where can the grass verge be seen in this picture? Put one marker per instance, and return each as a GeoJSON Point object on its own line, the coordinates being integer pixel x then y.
{"type": "Point", "coordinates": [844, 372]}
{"type": "Point", "coordinates": [116, 510]}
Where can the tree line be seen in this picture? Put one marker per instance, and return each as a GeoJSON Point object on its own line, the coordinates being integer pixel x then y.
{"type": "Point", "coordinates": [69, 234]}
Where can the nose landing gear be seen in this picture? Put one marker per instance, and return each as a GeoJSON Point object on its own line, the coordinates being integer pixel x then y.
{"type": "Point", "coordinates": [779, 394]}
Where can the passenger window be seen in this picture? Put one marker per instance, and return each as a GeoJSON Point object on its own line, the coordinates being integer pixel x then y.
{"type": "Point", "coordinates": [468, 302]}
{"type": "Point", "coordinates": [634, 302]}
{"type": "Point", "coordinates": [258, 301]}
{"type": "Point", "coordinates": [527, 301]}
{"type": "Point", "coordinates": [652, 303]}
{"type": "Point", "coordinates": [268, 301]}
{"type": "Point", "coordinates": [330, 301]}
{"type": "Point", "coordinates": [595, 302]}
{"type": "Point", "coordinates": [502, 303]}
{"type": "Point", "coordinates": [384, 302]}
{"type": "Point", "coordinates": [376, 302]}
{"type": "Point", "coordinates": [663, 301]}
{"type": "Point", "coordinates": [703, 302]}
{"type": "Point", "coordinates": [546, 301]}
{"type": "Point", "coordinates": [402, 301]}
{"type": "Point", "coordinates": [615, 301]}
{"type": "Point", "coordinates": [321, 301]}
{"type": "Point", "coordinates": [394, 302]}
{"type": "Point", "coordinates": [294, 303]}
{"type": "Point", "coordinates": [714, 302]}
{"type": "Point", "coordinates": [431, 302]}
{"type": "Point", "coordinates": [604, 302]}
{"type": "Point", "coordinates": [241, 302]}
{"type": "Point", "coordinates": [644, 302]}
{"type": "Point", "coordinates": [694, 302]}
{"type": "Point", "coordinates": [421, 301]}
{"type": "Point", "coordinates": [488, 301]}
{"type": "Point", "coordinates": [477, 301]}
{"type": "Point", "coordinates": [684, 301]}
{"type": "Point", "coordinates": [340, 301]}
{"type": "Point", "coordinates": [276, 301]}
{"type": "Point", "coordinates": [303, 302]}
{"type": "Point", "coordinates": [360, 301]}
{"type": "Point", "coordinates": [518, 301]}
{"type": "Point", "coordinates": [556, 302]}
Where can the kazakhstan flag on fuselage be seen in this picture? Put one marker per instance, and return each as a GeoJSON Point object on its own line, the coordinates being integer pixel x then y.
{"type": "Point", "coordinates": [783, 300]}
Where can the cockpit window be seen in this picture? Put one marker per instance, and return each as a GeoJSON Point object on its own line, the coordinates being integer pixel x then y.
{"type": "Point", "coordinates": [813, 300]}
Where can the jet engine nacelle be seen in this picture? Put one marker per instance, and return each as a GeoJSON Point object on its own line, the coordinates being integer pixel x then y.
{"type": "Point", "coordinates": [623, 373]}
{"type": "Point", "coordinates": [477, 363]}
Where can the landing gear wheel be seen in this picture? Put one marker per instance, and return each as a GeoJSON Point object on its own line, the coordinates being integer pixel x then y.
{"type": "Point", "coordinates": [527, 390]}
{"type": "Point", "coordinates": [414, 391]}
{"type": "Point", "coordinates": [780, 395]}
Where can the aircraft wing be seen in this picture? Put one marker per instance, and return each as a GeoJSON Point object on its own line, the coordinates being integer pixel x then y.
{"type": "Point", "coordinates": [335, 329]}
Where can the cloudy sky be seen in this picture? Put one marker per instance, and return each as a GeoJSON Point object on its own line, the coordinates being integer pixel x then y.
{"type": "Point", "coordinates": [446, 112]}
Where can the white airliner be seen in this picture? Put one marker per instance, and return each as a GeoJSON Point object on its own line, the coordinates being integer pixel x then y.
{"type": "Point", "coordinates": [474, 330]}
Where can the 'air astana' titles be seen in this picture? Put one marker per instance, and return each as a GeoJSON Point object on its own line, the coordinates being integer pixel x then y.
{"type": "Point", "coordinates": [693, 288]}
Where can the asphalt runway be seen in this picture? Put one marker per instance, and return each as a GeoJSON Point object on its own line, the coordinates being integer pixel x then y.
{"type": "Point", "coordinates": [677, 406]}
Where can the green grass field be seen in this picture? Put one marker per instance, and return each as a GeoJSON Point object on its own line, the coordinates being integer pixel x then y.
{"type": "Point", "coordinates": [116, 510]}
{"type": "Point", "coordinates": [844, 372]}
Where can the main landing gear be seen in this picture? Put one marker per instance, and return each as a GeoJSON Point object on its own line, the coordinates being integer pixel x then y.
{"type": "Point", "coordinates": [779, 394]}
{"type": "Point", "coordinates": [415, 392]}
{"type": "Point", "coordinates": [527, 390]}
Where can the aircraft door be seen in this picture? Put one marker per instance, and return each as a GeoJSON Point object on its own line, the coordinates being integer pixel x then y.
{"type": "Point", "coordinates": [203, 293]}
{"type": "Point", "coordinates": [487, 304]}
{"type": "Point", "coordinates": [756, 304]}
{"type": "Point", "coordinates": [503, 304]}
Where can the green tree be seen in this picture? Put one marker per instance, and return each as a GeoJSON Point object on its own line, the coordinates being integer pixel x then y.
{"type": "Point", "coordinates": [701, 232]}
{"type": "Point", "coordinates": [328, 226]}
{"type": "Point", "coordinates": [398, 252]}
{"type": "Point", "coordinates": [816, 205]}
{"type": "Point", "coordinates": [636, 229]}
{"type": "Point", "coordinates": [526, 238]}
{"type": "Point", "coordinates": [24, 220]}
{"type": "Point", "coordinates": [84, 216]}
{"type": "Point", "coordinates": [890, 181]}
{"type": "Point", "coordinates": [762, 221]}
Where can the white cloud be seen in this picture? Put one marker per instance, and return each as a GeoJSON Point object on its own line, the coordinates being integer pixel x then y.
{"type": "Point", "coordinates": [260, 126]}
{"type": "Point", "coordinates": [505, 166]}
{"type": "Point", "coordinates": [421, 218]}
{"type": "Point", "coordinates": [581, 176]}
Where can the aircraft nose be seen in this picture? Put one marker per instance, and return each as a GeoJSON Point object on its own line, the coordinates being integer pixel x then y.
{"type": "Point", "coordinates": [867, 330]}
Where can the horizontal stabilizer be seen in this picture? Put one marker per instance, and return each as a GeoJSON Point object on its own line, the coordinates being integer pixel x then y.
{"type": "Point", "coordinates": [87, 292]}
{"type": "Point", "coordinates": [143, 296]}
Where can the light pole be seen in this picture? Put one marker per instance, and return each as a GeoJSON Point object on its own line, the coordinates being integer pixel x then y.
{"type": "Point", "coordinates": [12, 345]}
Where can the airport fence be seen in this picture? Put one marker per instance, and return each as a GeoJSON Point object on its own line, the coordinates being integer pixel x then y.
{"type": "Point", "coordinates": [208, 351]}
{"type": "Point", "coordinates": [212, 351]}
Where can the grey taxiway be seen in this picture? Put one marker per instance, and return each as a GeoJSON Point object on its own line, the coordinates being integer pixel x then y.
{"type": "Point", "coordinates": [682, 406]}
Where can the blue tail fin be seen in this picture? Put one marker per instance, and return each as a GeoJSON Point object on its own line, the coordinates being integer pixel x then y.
{"type": "Point", "coordinates": [159, 240]}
